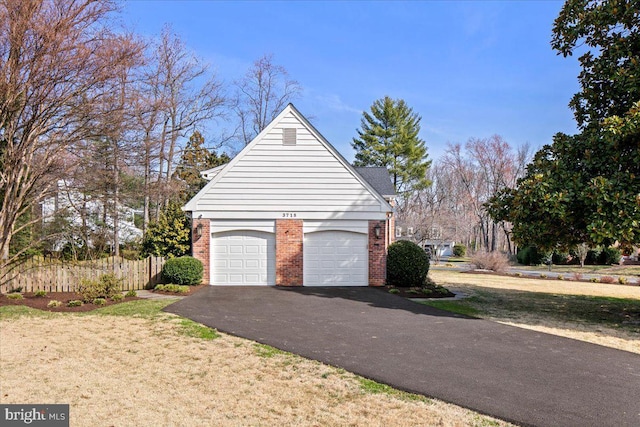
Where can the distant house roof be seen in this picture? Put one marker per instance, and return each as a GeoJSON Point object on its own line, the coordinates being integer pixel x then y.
{"type": "Point", "coordinates": [378, 178]}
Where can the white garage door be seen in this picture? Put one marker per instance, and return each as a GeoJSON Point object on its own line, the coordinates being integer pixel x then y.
{"type": "Point", "coordinates": [335, 258]}
{"type": "Point", "coordinates": [243, 258]}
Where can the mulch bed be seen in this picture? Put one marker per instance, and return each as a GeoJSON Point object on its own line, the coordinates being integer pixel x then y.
{"type": "Point", "coordinates": [428, 291]}
{"type": "Point", "coordinates": [40, 303]}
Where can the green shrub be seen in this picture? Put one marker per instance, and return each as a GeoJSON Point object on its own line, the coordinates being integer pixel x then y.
{"type": "Point", "coordinates": [543, 275]}
{"type": "Point", "coordinates": [394, 291]}
{"type": "Point", "coordinates": [594, 279]}
{"type": "Point", "coordinates": [54, 303]}
{"type": "Point", "coordinates": [609, 256]}
{"type": "Point", "coordinates": [459, 250]}
{"type": "Point", "coordinates": [518, 274]}
{"type": "Point", "coordinates": [178, 289]}
{"type": "Point", "coordinates": [407, 264]}
{"type": "Point", "coordinates": [560, 277]}
{"type": "Point", "coordinates": [105, 287]}
{"type": "Point", "coordinates": [592, 257]}
{"type": "Point", "coordinates": [14, 290]}
{"type": "Point", "coordinates": [40, 293]}
{"type": "Point", "coordinates": [15, 296]}
{"type": "Point", "coordinates": [560, 258]}
{"type": "Point", "coordinates": [74, 303]}
{"type": "Point", "coordinates": [622, 280]}
{"type": "Point", "coordinates": [185, 270]}
{"type": "Point", "coordinates": [99, 301]}
{"type": "Point", "coordinates": [117, 297]}
{"type": "Point", "coordinates": [130, 294]}
{"type": "Point", "coordinates": [529, 255]}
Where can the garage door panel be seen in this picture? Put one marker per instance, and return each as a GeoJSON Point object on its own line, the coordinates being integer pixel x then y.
{"type": "Point", "coordinates": [243, 257]}
{"type": "Point", "coordinates": [335, 258]}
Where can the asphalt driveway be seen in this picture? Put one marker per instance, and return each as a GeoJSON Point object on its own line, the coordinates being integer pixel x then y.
{"type": "Point", "coordinates": [522, 376]}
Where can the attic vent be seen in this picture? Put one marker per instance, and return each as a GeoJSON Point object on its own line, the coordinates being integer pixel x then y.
{"type": "Point", "coordinates": [289, 136]}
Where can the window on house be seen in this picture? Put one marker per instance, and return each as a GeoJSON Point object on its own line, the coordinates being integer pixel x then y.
{"type": "Point", "coordinates": [409, 231]}
{"type": "Point", "coordinates": [398, 231]}
{"type": "Point", "coordinates": [289, 136]}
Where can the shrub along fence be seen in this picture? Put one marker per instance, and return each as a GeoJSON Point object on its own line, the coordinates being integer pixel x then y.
{"type": "Point", "coordinates": [65, 276]}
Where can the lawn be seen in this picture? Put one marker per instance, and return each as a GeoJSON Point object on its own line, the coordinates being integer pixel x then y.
{"type": "Point", "coordinates": [132, 364]}
{"type": "Point", "coordinates": [603, 314]}
{"type": "Point", "coordinates": [628, 270]}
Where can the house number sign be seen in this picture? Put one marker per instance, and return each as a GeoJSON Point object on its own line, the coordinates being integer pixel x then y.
{"type": "Point", "coordinates": [289, 215]}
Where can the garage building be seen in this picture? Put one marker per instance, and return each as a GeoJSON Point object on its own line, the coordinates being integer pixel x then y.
{"type": "Point", "coordinates": [289, 210]}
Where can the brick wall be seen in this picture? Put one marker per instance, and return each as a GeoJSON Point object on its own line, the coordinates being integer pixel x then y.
{"type": "Point", "coordinates": [391, 224]}
{"type": "Point", "coordinates": [377, 254]}
{"type": "Point", "coordinates": [201, 246]}
{"type": "Point", "coordinates": [289, 255]}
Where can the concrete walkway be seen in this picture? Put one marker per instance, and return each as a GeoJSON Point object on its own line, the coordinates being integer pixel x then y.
{"type": "Point", "coordinates": [521, 376]}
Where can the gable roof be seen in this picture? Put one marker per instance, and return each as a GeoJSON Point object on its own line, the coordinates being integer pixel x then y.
{"type": "Point", "coordinates": [379, 178]}
{"type": "Point", "coordinates": [264, 170]}
{"type": "Point", "coordinates": [209, 174]}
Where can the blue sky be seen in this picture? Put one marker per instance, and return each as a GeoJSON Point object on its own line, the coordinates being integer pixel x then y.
{"type": "Point", "coordinates": [469, 68]}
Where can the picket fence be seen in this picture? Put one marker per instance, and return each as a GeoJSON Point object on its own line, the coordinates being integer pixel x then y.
{"type": "Point", "coordinates": [65, 276]}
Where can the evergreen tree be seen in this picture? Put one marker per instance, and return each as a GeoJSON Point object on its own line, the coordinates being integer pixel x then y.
{"type": "Point", "coordinates": [196, 158]}
{"type": "Point", "coordinates": [170, 236]}
{"type": "Point", "coordinates": [389, 137]}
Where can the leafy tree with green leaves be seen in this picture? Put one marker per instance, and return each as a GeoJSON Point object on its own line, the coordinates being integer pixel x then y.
{"type": "Point", "coordinates": [170, 235]}
{"type": "Point", "coordinates": [610, 77]}
{"type": "Point", "coordinates": [196, 158]}
{"type": "Point", "coordinates": [389, 137]}
{"type": "Point", "coordinates": [577, 191]}
{"type": "Point", "coordinates": [583, 189]}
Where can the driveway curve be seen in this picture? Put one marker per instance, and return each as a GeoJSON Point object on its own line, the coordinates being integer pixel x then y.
{"type": "Point", "coordinates": [522, 376]}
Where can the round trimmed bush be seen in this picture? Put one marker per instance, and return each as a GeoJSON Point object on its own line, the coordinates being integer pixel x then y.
{"type": "Point", "coordinates": [459, 250]}
{"type": "Point", "coordinates": [184, 270]}
{"type": "Point", "coordinates": [407, 264]}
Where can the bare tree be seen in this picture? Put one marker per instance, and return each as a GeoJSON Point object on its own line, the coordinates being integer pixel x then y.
{"type": "Point", "coordinates": [482, 168]}
{"type": "Point", "coordinates": [262, 93]}
{"type": "Point", "coordinates": [185, 97]}
{"type": "Point", "coordinates": [57, 60]}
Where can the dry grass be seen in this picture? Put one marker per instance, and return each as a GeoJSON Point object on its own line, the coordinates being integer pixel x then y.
{"type": "Point", "coordinates": [550, 306]}
{"type": "Point", "coordinates": [142, 371]}
{"type": "Point", "coordinates": [444, 277]}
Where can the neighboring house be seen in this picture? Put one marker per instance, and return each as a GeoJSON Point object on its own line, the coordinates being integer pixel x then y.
{"type": "Point", "coordinates": [289, 210]}
{"type": "Point", "coordinates": [437, 245]}
{"type": "Point", "coordinates": [439, 248]}
{"type": "Point", "coordinates": [74, 205]}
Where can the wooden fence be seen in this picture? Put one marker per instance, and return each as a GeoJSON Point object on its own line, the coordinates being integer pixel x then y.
{"type": "Point", "coordinates": [65, 276]}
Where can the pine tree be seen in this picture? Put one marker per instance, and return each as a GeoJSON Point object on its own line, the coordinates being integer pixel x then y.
{"type": "Point", "coordinates": [170, 236]}
{"type": "Point", "coordinates": [389, 137]}
{"type": "Point", "coordinates": [196, 158]}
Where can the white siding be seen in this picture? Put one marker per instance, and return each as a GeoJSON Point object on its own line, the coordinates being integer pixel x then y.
{"type": "Point", "coordinates": [306, 180]}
